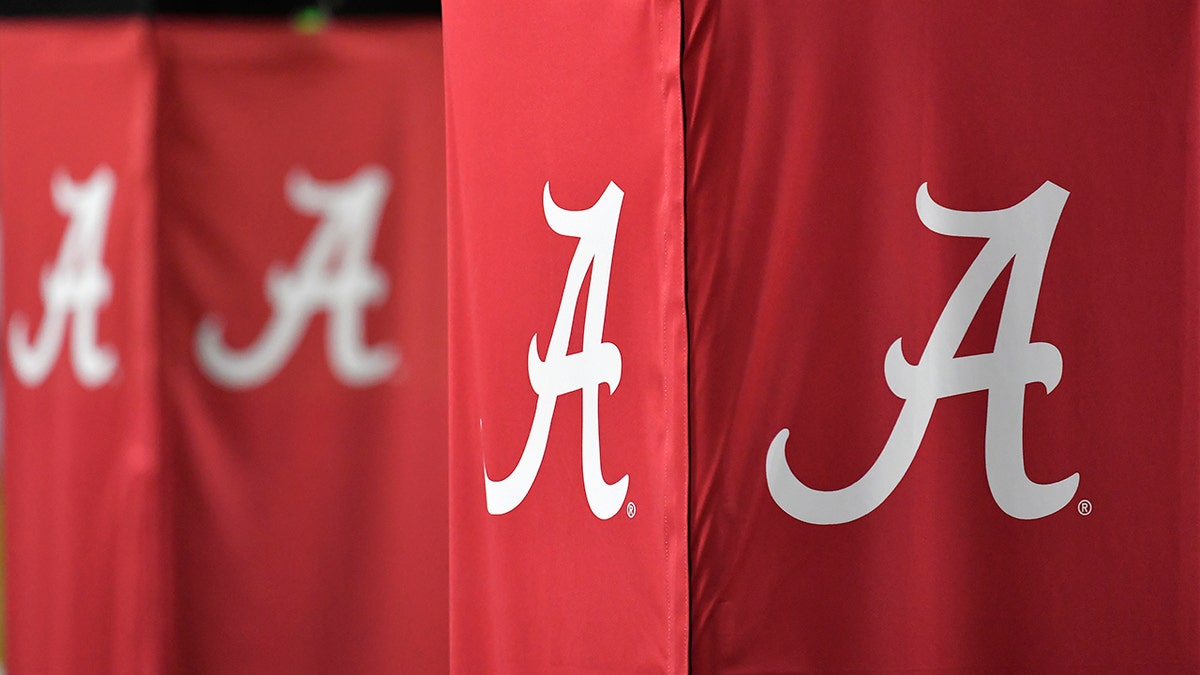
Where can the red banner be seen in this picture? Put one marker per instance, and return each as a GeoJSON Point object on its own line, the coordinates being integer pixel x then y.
{"type": "Point", "coordinates": [225, 323]}
{"type": "Point", "coordinates": [83, 475]}
{"type": "Point", "coordinates": [568, 460]}
{"type": "Point", "coordinates": [942, 297]}
{"type": "Point", "coordinates": [304, 364]}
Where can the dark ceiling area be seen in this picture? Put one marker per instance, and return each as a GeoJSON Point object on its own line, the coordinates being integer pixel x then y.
{"type": "Point", "coordinates": [216, 8]}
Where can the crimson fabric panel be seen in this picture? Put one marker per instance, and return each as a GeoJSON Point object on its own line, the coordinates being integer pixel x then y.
{"type": "Point", "coordinates": [568, 462]}
{"type": "Point", "coordinates": [304, 366]}
{"type": "Point", "coordinates": [82, 474]}
{"type": "Point", "coordinates": [942, 288]}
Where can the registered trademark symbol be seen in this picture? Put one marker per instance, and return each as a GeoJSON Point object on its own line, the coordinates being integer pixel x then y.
{"type": "Point", "coordinates": [630, 509]}
{"type": "Point", "coordinates": [1085, 507]}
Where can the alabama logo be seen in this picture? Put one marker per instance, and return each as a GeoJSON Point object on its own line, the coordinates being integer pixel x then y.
{"type": "Point", "coordinates": [333, 274]}
{"type": "Point", "coordinates": [559, 373]}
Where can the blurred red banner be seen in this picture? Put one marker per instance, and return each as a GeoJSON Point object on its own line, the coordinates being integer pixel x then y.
{"type": "Point", "coordinates": [226, 316]}
{"type": "Point", "coordinates": [302, 217]}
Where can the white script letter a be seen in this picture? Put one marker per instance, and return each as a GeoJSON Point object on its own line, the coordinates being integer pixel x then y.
{"type": "Point", "coordinates": [560, 373]}
{"type": "Point", "coordinates": [333, 274]}
{"type": "Point", "coordinates": [77, 286]}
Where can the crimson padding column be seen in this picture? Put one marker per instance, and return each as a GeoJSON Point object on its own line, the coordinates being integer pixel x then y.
{"type": "Point", "coordinates": [942, 301]}
{"type": "Point", "coordinates": [83, 466]}
{"type": "Point", "coordinates": [303, 312]}
{"type": "Point", "coordinates": [568, 450]}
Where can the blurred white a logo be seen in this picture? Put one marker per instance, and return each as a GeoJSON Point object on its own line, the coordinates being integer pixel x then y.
{"type": "Point", "coordinates": [78, 285]}
{"type": "Point", "coordinates": [333, 274]}
{"type": "Point", "coordinates": [560, 373]}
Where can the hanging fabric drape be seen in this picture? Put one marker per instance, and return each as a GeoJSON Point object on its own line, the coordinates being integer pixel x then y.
{"type": "Point", "coordinates": [567, 339]}
{"type": "Point", "coordinates": [942, 335]}
{"type": "Point", "coordinates": [225, 316]}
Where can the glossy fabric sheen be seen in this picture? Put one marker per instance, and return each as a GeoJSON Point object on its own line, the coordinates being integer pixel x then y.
{"type": "Point", "coordinates": [290, 518]}
{"type": "Point", "coordinates": [85, 547]}
{"type": "Point", "coordinates": [810, 130]}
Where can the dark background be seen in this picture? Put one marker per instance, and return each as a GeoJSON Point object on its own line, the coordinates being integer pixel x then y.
{"type": "Point", "coordinates": [216, 7]}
